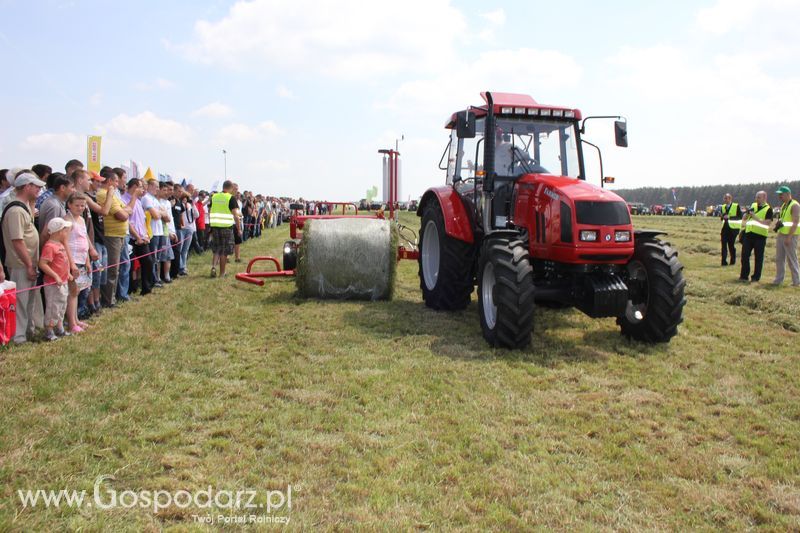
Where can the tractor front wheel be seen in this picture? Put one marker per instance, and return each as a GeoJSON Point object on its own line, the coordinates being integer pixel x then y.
{"type": "Point", "coordinates": [445, 264]}
{"type": "Point", "coordinates": [506, 292]}
{"type": "Point", "coordinates": [655, 293]}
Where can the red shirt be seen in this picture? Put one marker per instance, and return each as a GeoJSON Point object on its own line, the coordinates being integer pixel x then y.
{"type": "Point", "coordinates": [56, 255]}
{"type": "Point", "coordinates": [201, 217]}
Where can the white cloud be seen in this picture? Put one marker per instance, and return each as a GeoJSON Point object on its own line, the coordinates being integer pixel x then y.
{"type": "Point", "coordinates": [269, 165]}
{"type": "Point", "coordinates": [149, 126]}
{"type": "Point", "coordinates": [496, 17]}
{"type": "Point", "coordinates": [284, 92]}
{"type": "Point", "coordinates": [757, 24]}
{"type": "Point", "coordinates": [157, 84]}
{"type": "Point", "coordinates": [270, 128]}
{"type": "Point", "coordinates": [726, 15]}
{"type": "Point", "coordinates": [508, 70]}
{"type": "Point", "coordinates": [711, 118]}
{"type": "Point", "coordinates": [239, 132]}
{"type": "Point", "coordinates": [493, 21]}
{"type": "Point", "coordinates": [721, 87]}
{"type": "Point", "coordinates": [60, 143]}
{"type": "Point", "coordinates": [213, 110]}
{"type": "Point", "coordinates": [347, 39]}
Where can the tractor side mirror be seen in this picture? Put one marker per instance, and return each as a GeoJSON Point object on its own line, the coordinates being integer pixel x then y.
{"type": "Point", "coordinates": [465, 125]}
{"type": "Point", "coordinates": [621, 133]}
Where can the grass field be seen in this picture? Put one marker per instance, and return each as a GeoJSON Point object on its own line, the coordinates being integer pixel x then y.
{"type": "Point", "coordinates": [389, 415]}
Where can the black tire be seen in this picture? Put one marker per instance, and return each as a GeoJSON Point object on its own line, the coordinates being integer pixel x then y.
{"type": "Point", "coordinates": [505, 275]}
{"type": "Point", "coordinates": [290, 256]}
{"type": "Point", "coordinates": [447, 282]}
{"type": "Point", "coordinates": [656, 292]}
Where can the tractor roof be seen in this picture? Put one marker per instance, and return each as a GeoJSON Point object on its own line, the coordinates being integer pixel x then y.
{"type": "Point", "coordinates": [511, 104]}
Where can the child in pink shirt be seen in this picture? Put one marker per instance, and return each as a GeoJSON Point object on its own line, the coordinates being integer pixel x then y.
{"type": "Point", "coordinates": [81, 248]}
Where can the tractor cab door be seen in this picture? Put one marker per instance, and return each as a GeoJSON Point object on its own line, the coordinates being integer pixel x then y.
{"type": "Point", "coordinates": [465, 168]}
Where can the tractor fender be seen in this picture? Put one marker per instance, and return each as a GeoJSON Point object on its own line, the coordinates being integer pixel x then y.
{"type": "Point", "coordinates": [456, 220]}
{"type": "Point", "coordinates": [647, 233]}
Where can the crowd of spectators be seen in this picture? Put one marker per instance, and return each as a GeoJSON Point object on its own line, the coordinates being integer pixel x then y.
{"type": "Point", "coordinates": [78, 242]}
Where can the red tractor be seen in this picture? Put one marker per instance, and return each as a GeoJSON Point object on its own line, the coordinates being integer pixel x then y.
{"type": "Point", "coordinates": [518, 219]}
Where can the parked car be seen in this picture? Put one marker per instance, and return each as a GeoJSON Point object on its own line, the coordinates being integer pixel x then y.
{"type": "Point", "coordinates": [635, 208]}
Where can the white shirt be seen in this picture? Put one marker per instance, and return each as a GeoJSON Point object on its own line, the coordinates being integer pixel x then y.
{"type": "Point", "coordinates": [156, 226]}
{"type": "Point", "coordinates": [166, 207]}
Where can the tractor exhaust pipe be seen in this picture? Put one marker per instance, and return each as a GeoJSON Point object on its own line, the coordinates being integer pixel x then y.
{"type": "Point", "coordinates": [488, 166]}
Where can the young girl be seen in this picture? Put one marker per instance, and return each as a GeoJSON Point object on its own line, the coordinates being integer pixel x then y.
{"type": "Point", "coordinates": [54, 265]}
{"type": "Point", "coordinates": [79, 246]}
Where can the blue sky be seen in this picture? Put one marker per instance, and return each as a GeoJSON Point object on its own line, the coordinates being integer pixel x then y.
{"type": "Point", "coordinates": [303, 93]}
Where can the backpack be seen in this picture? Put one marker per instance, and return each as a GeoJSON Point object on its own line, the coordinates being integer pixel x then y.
{"type": "Point", "coordinates": [2, 239]}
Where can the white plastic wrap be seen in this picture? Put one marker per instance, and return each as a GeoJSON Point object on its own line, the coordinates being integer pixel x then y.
{"type": "Point", "coordinates": [347, 258]}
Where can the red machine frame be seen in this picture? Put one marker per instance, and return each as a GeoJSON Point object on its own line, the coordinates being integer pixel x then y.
{"type": "Point", "coordinates": [298, 221]}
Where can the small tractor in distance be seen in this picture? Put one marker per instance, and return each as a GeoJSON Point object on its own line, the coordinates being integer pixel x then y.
{"type": "Point", "coordinates": [518, 220]}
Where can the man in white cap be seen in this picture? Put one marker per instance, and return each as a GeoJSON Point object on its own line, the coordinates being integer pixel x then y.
{"type": "Point", "coordinates": [21, 241]}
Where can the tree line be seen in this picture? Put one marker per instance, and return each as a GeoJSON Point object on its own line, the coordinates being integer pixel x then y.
{"type": "Point", "coordinates": [706, 195]}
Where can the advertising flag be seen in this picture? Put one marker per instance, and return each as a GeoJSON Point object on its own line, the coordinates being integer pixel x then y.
{"type": "Point", "coordinates": [134, 170]}
{"type": "Point", "coordinates": [93, 153]}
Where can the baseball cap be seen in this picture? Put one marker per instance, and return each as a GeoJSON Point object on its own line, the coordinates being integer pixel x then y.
{"type": "Point", "coordinates": [26, 178]}
{"type": "Point", "coordinates": [784, 189]}
{"type": "Point", "coordinates": [96, 176]}
{"type": "Point", "coordinates": [57, 224]}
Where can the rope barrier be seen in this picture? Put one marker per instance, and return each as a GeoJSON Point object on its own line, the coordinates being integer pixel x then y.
{"type": "Point", "coordinates": [129, 260]}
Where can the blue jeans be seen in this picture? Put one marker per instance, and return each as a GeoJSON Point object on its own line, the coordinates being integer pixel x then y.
{"type": "Point", "coordinates": [124, 279]}
{"type": "Point", "coordinates": [83, 299]}
{"type": "Point", "coordinates": [155, 244]}
{"type": "Point", "coordinates": [185, 246]}
{"type": "Point", "coordinates": [100, 277]}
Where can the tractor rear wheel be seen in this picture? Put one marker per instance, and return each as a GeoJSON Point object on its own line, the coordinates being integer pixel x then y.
{"type": "Point", "coordinates": [655, 293]}
{"type": "Point", "coordinates": [506, 292]}
{"type": "Point", "coordinates": [445, 264]}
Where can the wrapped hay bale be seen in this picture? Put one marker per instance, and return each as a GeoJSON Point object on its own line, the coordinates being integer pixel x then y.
{"type": "Point", "coordinates": [348, 258]}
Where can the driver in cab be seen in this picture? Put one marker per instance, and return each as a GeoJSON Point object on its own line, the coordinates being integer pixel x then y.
{"type": "Point", "coordinates": [512, 159]}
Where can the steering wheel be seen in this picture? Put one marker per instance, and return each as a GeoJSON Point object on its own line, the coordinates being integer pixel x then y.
{"type": "Point", "coordinates": [525, 164]}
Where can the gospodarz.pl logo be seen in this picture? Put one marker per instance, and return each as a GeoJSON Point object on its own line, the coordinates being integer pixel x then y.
{"type": "Point", "coordinates": [246, 506]}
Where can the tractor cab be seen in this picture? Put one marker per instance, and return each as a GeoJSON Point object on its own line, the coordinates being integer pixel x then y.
{"type": "Point", "coordinates": [524, 145]}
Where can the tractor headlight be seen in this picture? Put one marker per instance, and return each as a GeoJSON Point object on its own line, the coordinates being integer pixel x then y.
{"type": "Point", "coordinates": [589, 235]}
{"type": "Point", "coordinates": [287, 249]}
{"type": "Point", "coordinates": [622, 236]}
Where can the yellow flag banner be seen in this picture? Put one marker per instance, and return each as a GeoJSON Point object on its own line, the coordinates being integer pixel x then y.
{"type": "Point", "coordinates": [93, 153]}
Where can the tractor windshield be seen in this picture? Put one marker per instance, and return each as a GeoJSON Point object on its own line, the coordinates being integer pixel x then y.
{"type": "Point", "coordinates": [523, 146]}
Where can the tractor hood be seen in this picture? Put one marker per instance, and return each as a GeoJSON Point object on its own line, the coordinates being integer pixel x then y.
{"type": "Point", "coordinates": [574, 189]}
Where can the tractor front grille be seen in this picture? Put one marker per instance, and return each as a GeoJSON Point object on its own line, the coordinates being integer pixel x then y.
{"type": "Point", "coordinates": [602, 213]}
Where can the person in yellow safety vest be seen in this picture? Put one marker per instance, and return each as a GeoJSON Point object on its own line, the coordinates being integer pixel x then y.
{"type": "Point", "coordinates": [731, 224]}
{"type": "Point", "coordinates": [223, 214]}
{"type": "Point", "coordinates": [788, 232]}
{"type": "Point", "coordinates": [755, 229]}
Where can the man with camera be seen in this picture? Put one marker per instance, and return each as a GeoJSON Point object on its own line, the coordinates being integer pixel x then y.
{"type": "Point", "coordinates": [731, 217]}
{"type": "Point", "coordinates": [788, 231]}
{"type": "Point", "coordinates": [754, 235]}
